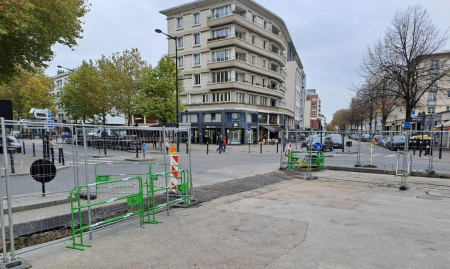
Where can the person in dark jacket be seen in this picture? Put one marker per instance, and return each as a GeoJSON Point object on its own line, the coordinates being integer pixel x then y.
{"type": "Point", "coordinates": [220, 143]}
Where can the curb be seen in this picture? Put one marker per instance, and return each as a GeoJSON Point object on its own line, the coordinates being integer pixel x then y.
{"type": "Point", "coordinates": [380, 171]}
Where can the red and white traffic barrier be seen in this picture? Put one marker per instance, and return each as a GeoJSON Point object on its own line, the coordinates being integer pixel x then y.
{"type": "Point", "coordinates": [174, 167]}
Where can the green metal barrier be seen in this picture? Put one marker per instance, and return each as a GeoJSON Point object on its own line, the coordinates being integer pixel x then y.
{"type": "Point", "coordinates": [317, 161]}
{"type": "Point", "coordinates": [182, 190]}
{"type": "Point", "coordinates": [132, 200]}
{"type": "Point", "coordinates": [106, 177]}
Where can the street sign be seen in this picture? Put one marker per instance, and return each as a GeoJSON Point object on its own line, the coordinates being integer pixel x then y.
{"type": "Point", "coordinates": [50, 124]}
{"type": "Point", "coordinates": [413, 114]}
{"type": "Point", "coordinates": [407, 125]}
{"type": "Point", "coordinates": [249, 128]}
{"type": "Point", "coordinates": [49, 114]}
{"type": "Point", "coordinates": [317, 146]}
{"type": "Point", "coordinates": [144, 146]}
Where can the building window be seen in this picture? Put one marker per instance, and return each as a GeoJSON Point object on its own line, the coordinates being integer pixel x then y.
{"type": "Point", "coordinates": [313, 104]}
{"type": "Point", "coordinates": [434, 64]}
{"type": "Point", "coordinates": [432, 96]}
{"type": "Point", "coordinates": [196, 39]}
{"type": "Point", "coordinates": [189, 118]}
{"type": "Point", "coordinates": [431, 109]}
{"type": "Point", "coordinates": [254, 19]}
{"type": "Point", "coordinates": [264, 82]}
{"type": "Point", "coordinates": [197, 79]}
{"type": "Point", "coordinates": [179, 23]}
{"type": "Point", "coordinates": [313, 109]}
{"type": "Point", "coordinates": [182, 81]}
{"type": "Point", "coordinates": [221, 32]}
{"type": "Point", "coordinates": [205, 98]}
{"type": "Point", "coordinates": [314, 99]}
{"type": "Point", "coordinates": [180, 62]}
{"type": "Point", "coordinates": [253, 80]}
{"type": "Point", "coordinates": [266, 25]}
{"type": "Point", "coordinates": [196, 61]}
{"type": "Point", "coordinates": [196, 18]}
{"type": "Point", "coordinates": [313, 114]}
{"type": "Point", "coordinates": [448, 94]}
{"type": "Point", "coordinates": [220, 77]}
{"type": "Point", "coordinates": [264, 64]}
{"type": "Point", "coordinates": [251, 99]}
{"type": "Point", "coordinates": [212, 117]}
{"type": "Point", "coordinates": [180, 42]}
{"type": "Point", "coordinates": [253, 40]}
{"type": "Point", "coordinates": [221, 97]}
{"type": "Point", "coordinates": [272, 119]}
{"type": "Point", "coordinates": [253, 60]}
{"type": "Point", "coordinates": [240, 97]}
{"type": "Point", "coordinates": [448, 108]}
{"type": "Point", "coordinates": [265, 44]}
{"type": "Point", "coordinates": [219, 56]}
{"type": "Point", "coordinates": [220, 12]}
{"type": "Point", "coordinates": [263, 101]}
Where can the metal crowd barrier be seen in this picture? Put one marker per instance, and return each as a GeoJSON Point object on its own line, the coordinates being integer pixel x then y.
{"type": "Point", "coordinates": [133, 199]}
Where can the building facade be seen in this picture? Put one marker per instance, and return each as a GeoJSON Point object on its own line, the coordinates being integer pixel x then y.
{"type": "Point", "coordinates": [234, 59]}
{"type": "Point", "coordinates": [313, 109]}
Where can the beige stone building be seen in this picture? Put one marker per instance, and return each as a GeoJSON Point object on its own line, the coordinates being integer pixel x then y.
{"type": "Point", "coordinates": [242, 77]}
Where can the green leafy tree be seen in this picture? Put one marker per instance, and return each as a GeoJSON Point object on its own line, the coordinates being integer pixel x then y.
{"type": "Point", "coordinates": [29, 29]}
{"type": "Point", "coordinates": [123, 74]}
{"type": "Point", "coordinates": [158, 91]}
{"type": "Point", "coordinates": [77, 96]}
{"type": "Point", "coordinates": [24, 81]}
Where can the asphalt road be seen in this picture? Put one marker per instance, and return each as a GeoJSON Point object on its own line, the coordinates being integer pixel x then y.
{"type": "Point", "coordinates": [207, 168]}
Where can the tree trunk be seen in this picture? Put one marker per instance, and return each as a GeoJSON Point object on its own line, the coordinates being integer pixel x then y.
{"type": "Point", "coordinates": [408, 110]}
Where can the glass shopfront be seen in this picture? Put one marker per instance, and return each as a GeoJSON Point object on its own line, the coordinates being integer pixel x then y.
{"type": "Point", "coordinates": [235, 136]}
{"type": "Point", "coordinates": [211, 135]}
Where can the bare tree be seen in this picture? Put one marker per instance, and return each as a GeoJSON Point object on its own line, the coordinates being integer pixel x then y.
{"type": "Point", "coordinates": [403, 57]}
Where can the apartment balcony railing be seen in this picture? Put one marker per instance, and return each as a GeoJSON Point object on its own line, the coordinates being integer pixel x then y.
{"type": "Point", "coordinates": [259, 25]}
{"type": "Point", "coordinates": [432, 102]}
{"type": "Point", "coordinates": [242, 39]}
{"type": "Point", "coordinates": [262, 69]}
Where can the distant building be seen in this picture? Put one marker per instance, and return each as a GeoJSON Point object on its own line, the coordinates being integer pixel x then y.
{"type": "Point", "coordinates": [313, 108]}
{"type": "Point", "coordinates": [241, 74]}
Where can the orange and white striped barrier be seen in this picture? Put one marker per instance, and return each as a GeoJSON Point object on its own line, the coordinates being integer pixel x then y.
{"type": "Point", "coordinates": [174, 167]}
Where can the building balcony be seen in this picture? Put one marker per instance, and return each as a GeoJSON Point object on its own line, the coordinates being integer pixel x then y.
{"type": "Point", "coordinates": [244, 86]}
{"type": "Point", "coordinates": [249, 25]}
{"type": "Point", "coordinates": [431, 102]}
{"type": "Point", "coordinates": [239, 105]}
{"type": "Point", "coordinates": [231, 40]}
{"type": "Point", "coordinates": [232, 62]}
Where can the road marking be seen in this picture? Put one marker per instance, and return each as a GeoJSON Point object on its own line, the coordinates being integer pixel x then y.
{"type": "Point", "coordinates": [376, 155]}
{"type": "Point", "coordinates": [390, 156]}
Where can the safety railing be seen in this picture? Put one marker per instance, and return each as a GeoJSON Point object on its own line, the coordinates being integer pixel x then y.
{"type": "Point", "coordinates": [176, 191]}
{"type": "Point", "coordinates": [133, 199]}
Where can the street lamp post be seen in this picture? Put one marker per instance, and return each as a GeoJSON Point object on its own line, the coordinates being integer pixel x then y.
{"type": "Point", "coordinates": [72, 70]}
{"type": "Point", "coordinates": [176, 67]}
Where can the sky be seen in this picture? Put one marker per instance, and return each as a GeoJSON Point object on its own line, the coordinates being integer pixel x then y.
{"type": "Point", "coordinates": [330, 36]}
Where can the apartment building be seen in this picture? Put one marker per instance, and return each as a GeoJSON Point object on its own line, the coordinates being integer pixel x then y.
{"type": "Point", "coordinates": [313, 109]}
{"type": "Point", "coordinates": [241, 75]}
{"type": "Point", "coordinates": [60, 79]}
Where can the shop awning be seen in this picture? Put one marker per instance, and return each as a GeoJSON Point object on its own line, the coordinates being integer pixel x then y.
{"type": "Point", "coordinates": [270, 128]}
{"type": "Point", "coordinates": [278, 128]}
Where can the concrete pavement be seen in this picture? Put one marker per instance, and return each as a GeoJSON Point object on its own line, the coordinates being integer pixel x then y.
{"type": "Point", "coordinates": [291, 224]}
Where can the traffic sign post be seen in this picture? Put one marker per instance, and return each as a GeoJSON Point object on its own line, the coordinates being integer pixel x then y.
{"type": "Point", "coordinates": [144, 147]}
{"type": "Point", "coordinates": [407, 125]}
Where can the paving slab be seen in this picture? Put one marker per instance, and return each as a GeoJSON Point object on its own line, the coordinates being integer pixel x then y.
{"type": "Point", "coordinates": [291, 224]}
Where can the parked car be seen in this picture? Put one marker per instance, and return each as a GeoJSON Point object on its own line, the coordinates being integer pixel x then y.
{"type": "Point", "coordinates": [12, 144]}
{"type": "Point", "coordinates": [382, 141]}
{"type": "Point", "coordinates": [337, 141]}
{"type": "Point", "coordinates": [397, 142]}
{"type": "Point", "coordinates": [16, 134]}
{"type": "Point", "coordinates": [327, 143]}
{"type": "Point", "coordinates": [365, 138]}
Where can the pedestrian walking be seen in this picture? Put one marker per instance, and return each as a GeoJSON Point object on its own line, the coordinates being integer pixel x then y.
{"type": "Point", "coordinates": [52, 148]}
{"type": "Point", "coordinates": [167, 145]}
{"type": "Point", "coordinates": [224, 146]}
{"type": "Point", "coordinates": [220, 143]}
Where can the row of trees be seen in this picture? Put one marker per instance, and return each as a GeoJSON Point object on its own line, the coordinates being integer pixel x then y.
{"type": "Point", "coordinates": [123, 84]}
{"type": "Point", "coordinates": [398, 70]}
{"type": "Point", "coordinates": [28, 90]}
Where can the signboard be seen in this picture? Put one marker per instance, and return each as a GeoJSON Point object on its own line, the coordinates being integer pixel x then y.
{"type": "Point", "coordinates": [49, 114]}
{"type": "Point", "coordinates": [184, 124]}
{"type": "Point", "coordinates": [317, 146]}
{"type": "Point", "coordinates": [236, 125]}
{"type": "Point", "coordinates": [50, 124]}
{"type": "Point", "coordinates": [144, 146]}
{"type": "Point", "coordinates": [407, 125]}
{"type": "Point", "coordinates": [249, 128]}
{"type": "Point", "coordinates": [413, 114]}
{"type": "Point", "coordinates": [235, 117]}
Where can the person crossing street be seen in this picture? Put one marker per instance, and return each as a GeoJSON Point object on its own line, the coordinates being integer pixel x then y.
{"type": "Point", "coordinates": [220, 144]}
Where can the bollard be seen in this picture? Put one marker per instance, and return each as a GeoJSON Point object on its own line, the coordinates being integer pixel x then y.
{"type": "Point", "coordinates": [187, 148]}
{"type": "Point", "coordinates": [13, 170]}
{"type": "Point", "coordinates": [59, 155]}
{"type": "Point", "coordinates": [52, 152]}
{"type": "Point", "coordinates": [278, 142]}
{"type": "Point", "coordinates": [104, 145]}
{"type": "Point", "coordinates": [260, 148]}
{"type": "Point", "coordinates": [62, 156]}
{"type": "Point", "coordinates": [420, 147]}
{"type": "Point", "coordinates": [23, 148]}
{"type": "Point", "coordinates": [137, 152]}
{"type": "Point", "coordinates": [414, 147]}
{"type": "Point", "coordinates": [207, 148]}
{"type": "Point", "coordinates": [178, 145]}
{"type": "Point", "coordinates": [34, 150]}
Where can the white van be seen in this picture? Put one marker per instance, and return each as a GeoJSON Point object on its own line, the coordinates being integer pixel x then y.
{"type": "Point", "coordinates": [16, 134]}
